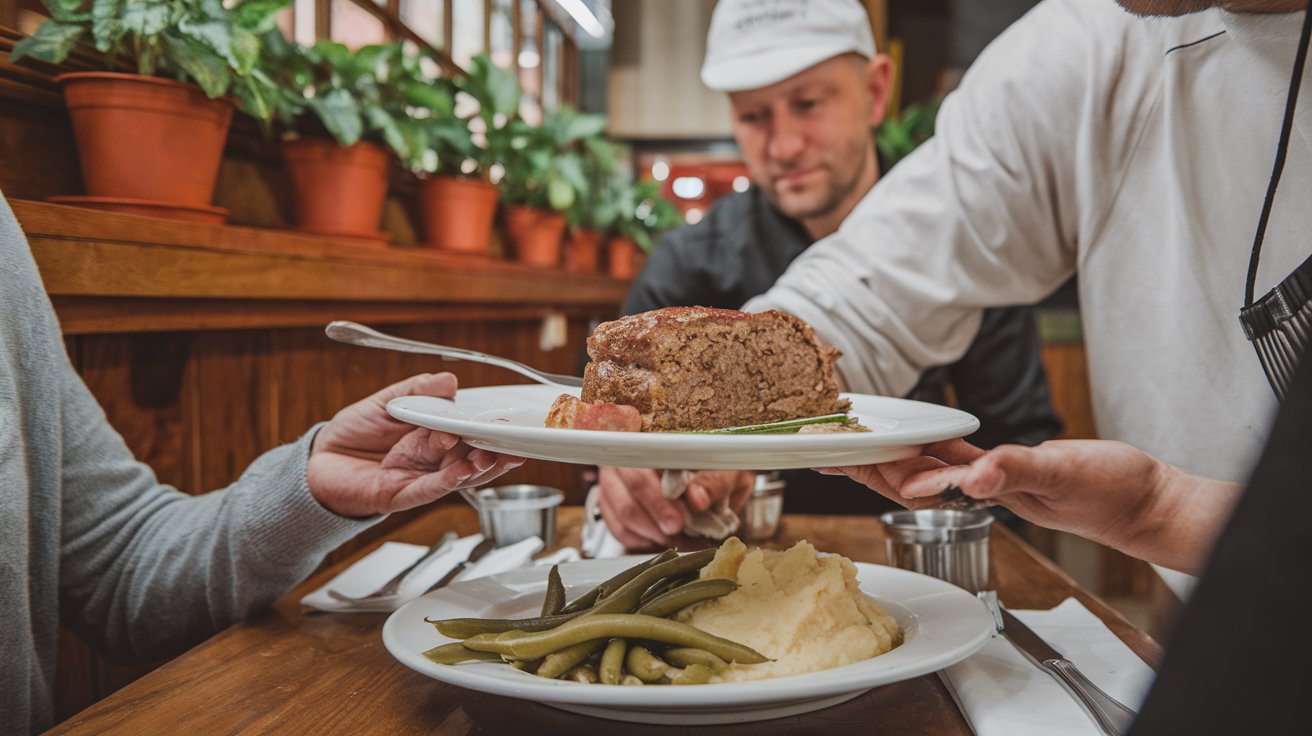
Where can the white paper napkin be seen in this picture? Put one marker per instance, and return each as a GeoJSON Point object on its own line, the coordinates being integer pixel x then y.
{"type": "Point", "coordinates": [597, 541]}
{"type": "Point", "coordinates": [1002, 693]}
{"type": "Point", "coordinates": [376, 568]}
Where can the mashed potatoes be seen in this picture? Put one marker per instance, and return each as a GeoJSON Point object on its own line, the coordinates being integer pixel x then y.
{"type": "Point", "coordinates": [802, 610]}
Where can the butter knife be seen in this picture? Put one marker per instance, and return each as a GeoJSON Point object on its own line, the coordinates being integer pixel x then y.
{"type": "Point", "coordinates": [476, 554]}
{"type": "Point", "coordinates": [1112, 716]}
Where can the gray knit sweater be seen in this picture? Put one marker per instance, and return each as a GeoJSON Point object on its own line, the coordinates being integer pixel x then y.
{"type": "Point", "coordinates": [89, 537]}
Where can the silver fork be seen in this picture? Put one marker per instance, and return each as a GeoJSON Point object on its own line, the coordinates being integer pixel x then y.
{"type": "Point", "coordinates": [353, 333]}
{"type": "Point", "coordinates": [393, 586]}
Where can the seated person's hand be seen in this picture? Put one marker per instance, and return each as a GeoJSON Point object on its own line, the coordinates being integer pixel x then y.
{"type": "Point", "coordinates": [640, 516]}
{"type": "Point", "coordinates": [364, 462]}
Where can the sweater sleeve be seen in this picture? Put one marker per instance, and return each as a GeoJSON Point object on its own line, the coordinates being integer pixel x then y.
{"type": "Point", "coordinates": [986, 213]}
{"type": "Point", "coordinates": [146, 570]}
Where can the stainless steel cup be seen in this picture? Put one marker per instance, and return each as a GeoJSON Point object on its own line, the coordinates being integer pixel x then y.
{"type": "Point", "coordinates": [508, 514]}
{"type": "Point", "coordinates": [948, 544]}
{"type": "Point", "coordinates": [760, 517]}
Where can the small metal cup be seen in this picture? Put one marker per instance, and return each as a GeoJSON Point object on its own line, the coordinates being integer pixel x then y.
{"type": "Point", "coordinates": [508, 514]}
{"type": "Point", "coordinates": [760, 517]}
{"type": "Point", "coordinates": [948, 544]}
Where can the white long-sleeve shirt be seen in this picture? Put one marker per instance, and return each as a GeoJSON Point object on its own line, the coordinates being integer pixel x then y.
{"type": "Point", "coordinates": [1134, 151]}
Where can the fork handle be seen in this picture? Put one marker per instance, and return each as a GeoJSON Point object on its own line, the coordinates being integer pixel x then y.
{"type": "Point", "coordinates": [1113, 717]}
{"type": "Point", "coordinates": [353, 333]}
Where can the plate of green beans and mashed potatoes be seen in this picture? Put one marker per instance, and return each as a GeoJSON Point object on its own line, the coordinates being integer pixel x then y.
{"type": "Point", "coordinates": [689, 639]}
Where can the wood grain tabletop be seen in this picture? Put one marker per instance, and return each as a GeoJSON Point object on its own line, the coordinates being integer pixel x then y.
{"type": "Point", "coordinates": [292, 671]}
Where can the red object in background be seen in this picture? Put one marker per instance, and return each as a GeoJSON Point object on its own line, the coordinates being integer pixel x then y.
{"type": "Point", "coordinates": [716, 180]}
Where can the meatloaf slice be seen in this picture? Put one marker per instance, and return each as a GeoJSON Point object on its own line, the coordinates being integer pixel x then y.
{"type": "Point", "coordinates": [690, 368]}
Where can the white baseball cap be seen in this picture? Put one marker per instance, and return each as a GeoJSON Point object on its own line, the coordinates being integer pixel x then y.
{"type": "Point", "coordinates": [755, 43]}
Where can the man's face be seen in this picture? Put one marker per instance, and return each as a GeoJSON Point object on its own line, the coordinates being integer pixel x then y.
{"type": "Point", "coordinates": [807, 140]}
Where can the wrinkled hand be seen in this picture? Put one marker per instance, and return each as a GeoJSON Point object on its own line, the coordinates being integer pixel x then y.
{"type": "Point", "coordinates": [1106, 491]}
{"type": "Point", "coordinates": [641, 517]}
{"type": "Point", "coordinates": [364, 462]}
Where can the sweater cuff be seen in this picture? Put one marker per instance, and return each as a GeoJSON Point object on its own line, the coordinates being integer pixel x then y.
{"type": "Point", "coordinates": [286, 521]}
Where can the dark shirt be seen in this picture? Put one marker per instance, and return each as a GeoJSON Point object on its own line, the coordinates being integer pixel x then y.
{"type": "Point", "coordinates": [743, 246]}
{"type": "Point", "coordinates": [1236, 662]}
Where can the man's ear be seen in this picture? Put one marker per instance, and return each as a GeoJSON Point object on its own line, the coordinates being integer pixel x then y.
{"type": "Point", "coordinates": [879, 76]}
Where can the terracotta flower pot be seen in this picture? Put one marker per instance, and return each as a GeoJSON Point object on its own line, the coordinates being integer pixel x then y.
{"type": "Point", "coordinates": [458, 213]}
{"type": "Point", "coordinates": [339, 191]}
{"type": "Point", "coordinates": [146, 138]}
{"type": "Point", "coordinates": [624, 257]}
{"type": "Point", "coordinates": [535, 235]}
{"type": "Point", "coordinates": [583, 251]}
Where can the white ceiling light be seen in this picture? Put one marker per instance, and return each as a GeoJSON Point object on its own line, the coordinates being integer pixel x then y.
{"type": "Point", "coordinates": [583, 16]}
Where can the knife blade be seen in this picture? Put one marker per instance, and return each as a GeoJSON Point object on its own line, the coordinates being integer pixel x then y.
{"type": "Point", "coordinates": [476, 554]}
{"type": "Point", "coordinates": [1112, 716]}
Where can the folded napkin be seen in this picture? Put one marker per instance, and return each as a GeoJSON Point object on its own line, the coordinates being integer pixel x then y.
{"type": "Point", "coordinates": [597, 542]}
{"type": "Point", "coordinates": [1004, 694]}
{"type": "Point", "coordinates": [377, 567]}
{"type": "Point", "coordinates": [717, 522]}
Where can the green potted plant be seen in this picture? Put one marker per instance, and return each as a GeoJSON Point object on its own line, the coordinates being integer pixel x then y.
{"type": "Point", "coordinates": [902, 133]}
{"type": "Point", "coordinates": [458, 202]}
{"type": "Point", "coordinates": [643, 215]}
{"type": "Point", "coordinates": [596, 205]}
{"type": "Point", "coordinates": [189, 59]}
{"type": "Point", "coordinates": [342, 112]}
{"type": "Point", "coordinates": [544, 173]}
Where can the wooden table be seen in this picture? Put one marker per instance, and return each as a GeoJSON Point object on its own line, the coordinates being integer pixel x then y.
{"type": "Point", "coordinates": [289, 671]}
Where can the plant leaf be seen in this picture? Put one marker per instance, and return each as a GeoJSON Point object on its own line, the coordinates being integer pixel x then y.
{"type": "Point", "coordinates": [340, 115]}
{"type": "Point", "coordinates": [70, 11]}
{"type": "Point", "coordinates": [145, 17]}
{"type": "Point", "coordinates": [430, 97]}
{"type": "Point", "coordinates": [106, 27]}
{"type": "Point", "coordinates": [580, 126]}
{"type": "Point", "coordinates": [200, 63]}
{"type": "Point", "coordinates": [245, 49]}
{"type": "Point", "coordinates": [390, 132]}
{"type": "Point", "coordinates": [52, 42]}
{"type": "Point", "coordinates": [259, 16]}
{"type": "Point", "coordinates": [214, 34]}
{"type": "Point", "coordinates": [560, 195]}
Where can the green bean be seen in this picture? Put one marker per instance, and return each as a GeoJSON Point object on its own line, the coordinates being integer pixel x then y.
{"type": "Point", "coordinates": [555, 599]}
{"type": "Point", "coordinates": [584, 673]}
{"type": "Point", "coordinates": [612, 662]}
{"type": "Point", "coordinates": [456, 652]}
{"type": "Point", "coordinates": [588, 599]}
{"type": "Point", "coordinates": [531, 645]}
{"type": "Point", "coordinates": [641, 663]}
{"type": "Point", "coordinates": [631, 680]}
{"type": "Point", "coordinates": [693, 674]}
{"type": "Point", "coordinates": [677, 599]}
{"type": "Point", "coordinates": [687, 656]}
{"type": "Point", "coordinates": [623, 600]}
{"type": "Point", "coordinates": [627, 598]}
{"type": "Point", "coordinates": [559, 662]}
{"type": "Point", "coordinates": [463, 628]}
{"type": "Point", "coordinates": [619, 581]}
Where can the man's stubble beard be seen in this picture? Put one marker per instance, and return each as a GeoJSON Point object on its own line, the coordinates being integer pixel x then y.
{"type": "Point", "coordinates": [836, 192]}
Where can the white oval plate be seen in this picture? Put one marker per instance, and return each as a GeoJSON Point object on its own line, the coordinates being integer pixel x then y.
{"type": "Point", "coordinates": [942, 624]}
{"type": "Point", "coordinates": [510, 419]}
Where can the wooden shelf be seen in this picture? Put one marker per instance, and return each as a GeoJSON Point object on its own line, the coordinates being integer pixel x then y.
{"type": "Point", "coordinates": [108, 272]}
